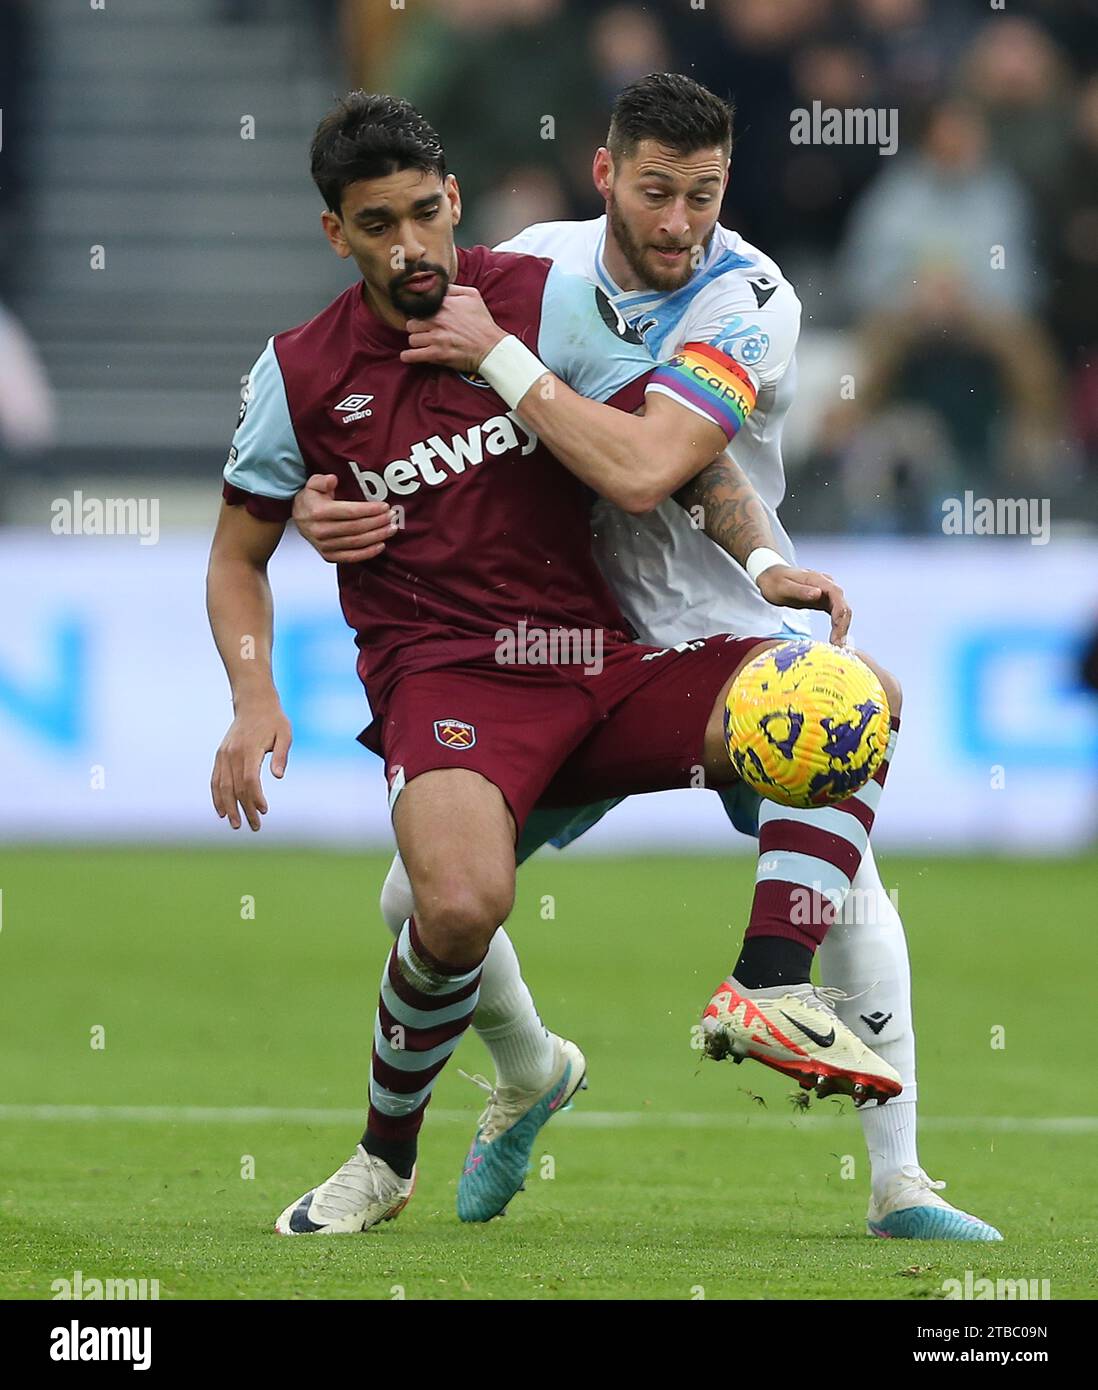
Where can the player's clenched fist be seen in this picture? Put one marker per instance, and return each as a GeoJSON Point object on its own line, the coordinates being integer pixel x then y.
{"type": "Point", "coordinates": [235, 785]}
{"type": "Point", "coordinates": [342, 532]}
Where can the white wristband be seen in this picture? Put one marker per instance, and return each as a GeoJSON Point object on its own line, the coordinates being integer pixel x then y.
{"type": "Point", "coordinates": [510, 369]}
{"type": "Point", "coordinates": [762, 559]}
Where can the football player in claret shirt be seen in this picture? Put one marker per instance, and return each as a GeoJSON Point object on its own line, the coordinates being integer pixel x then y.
{"type": "Point", "coordinates": [674, 274]}
{"type": "Point", "coordinates": [495, 546]}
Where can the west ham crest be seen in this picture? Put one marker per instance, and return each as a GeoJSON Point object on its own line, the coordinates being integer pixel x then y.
{"type": "Point", "coordinates": [455, 733]}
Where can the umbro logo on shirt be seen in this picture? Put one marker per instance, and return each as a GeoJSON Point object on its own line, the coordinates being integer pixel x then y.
{"type": "Point", "coordinates": [353, 407]}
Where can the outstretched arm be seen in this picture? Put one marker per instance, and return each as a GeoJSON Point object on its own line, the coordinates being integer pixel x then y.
{"type": "Point", "coordinates": [638, 461]}
{"type": "Point", "coordinates": [635, 461]}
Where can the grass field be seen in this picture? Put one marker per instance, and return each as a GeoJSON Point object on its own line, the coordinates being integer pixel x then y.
{"type": "Point", "coordinates": [669, 1177]}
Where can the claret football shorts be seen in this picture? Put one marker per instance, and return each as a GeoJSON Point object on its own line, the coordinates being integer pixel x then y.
{"type": "Point", "coordinates": [561, 734]}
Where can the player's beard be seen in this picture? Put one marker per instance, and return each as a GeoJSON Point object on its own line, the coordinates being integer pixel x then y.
{"type": "Point", "coordinates": [642, 259]}
{"type": "Point", "coordinates": [419, 306]}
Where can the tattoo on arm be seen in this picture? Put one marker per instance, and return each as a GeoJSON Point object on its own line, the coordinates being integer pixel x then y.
{"type": "Point", "coordinates": [728, 508]}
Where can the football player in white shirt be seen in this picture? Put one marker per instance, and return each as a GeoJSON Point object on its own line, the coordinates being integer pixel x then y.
{"type": "Point", "coordinates": [696, 293]}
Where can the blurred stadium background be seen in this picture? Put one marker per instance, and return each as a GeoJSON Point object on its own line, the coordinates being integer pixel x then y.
{"type": "Point", "coordinates": [157, 224]}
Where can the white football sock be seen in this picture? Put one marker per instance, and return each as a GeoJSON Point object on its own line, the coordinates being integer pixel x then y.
{"type": "Point", "coordinates": [890, 1139]}
{"type": "Point", "coordinates": [397, 904]}
{"type": "Point", "coordinates": [865, 954]}
{"type": "Point", "coordinates": [506, 1020]}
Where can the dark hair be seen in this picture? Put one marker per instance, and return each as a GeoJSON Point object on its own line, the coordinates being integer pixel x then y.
{"type": "Point", "coordinates": [675, 110]}
{"type": "Point", "coordinates": [366, 136]}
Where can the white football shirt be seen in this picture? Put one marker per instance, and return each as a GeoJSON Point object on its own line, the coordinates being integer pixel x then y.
{"type": "Point", "coordinates": [672, 581]}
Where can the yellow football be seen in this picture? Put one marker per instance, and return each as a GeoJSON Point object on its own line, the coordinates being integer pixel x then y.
{"type": "Point", "coordinates": [806, 723]}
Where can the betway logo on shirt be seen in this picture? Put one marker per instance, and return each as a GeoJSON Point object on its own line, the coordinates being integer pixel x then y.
{"type": "Point", "coordinates": [436, 460]}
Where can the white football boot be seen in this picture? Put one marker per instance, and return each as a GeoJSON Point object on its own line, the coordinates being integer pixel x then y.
{"type": "Point", "coordinates": [795, 1030]}
{"type": "Point", "coordinates": [911, 1209]}
{"type": "Point", "coordinates": [364, 1192]}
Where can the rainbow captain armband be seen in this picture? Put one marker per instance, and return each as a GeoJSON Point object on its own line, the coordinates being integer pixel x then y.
{"type": "Point", "coordinates": [710, 383]}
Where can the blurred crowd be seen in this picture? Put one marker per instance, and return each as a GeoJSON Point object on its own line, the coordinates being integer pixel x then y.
{"type": "Point", "coordinates": [953, 284]}
{"type": "Point", "coordinates": [961, 272]}
{"type": "Point", "coordinates": [26, 408]}
{"type": "Point", "coordinates": [14, 31]}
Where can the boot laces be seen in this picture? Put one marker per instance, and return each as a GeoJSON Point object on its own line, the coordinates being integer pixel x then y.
{"type": "Point", "coordinates": [358, 1183]}
{"type": "Point", "coordinates": [506, 1105]}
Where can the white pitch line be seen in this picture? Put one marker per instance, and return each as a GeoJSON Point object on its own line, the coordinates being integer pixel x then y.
{"type": "Point", "coordinates": [581, 1118]}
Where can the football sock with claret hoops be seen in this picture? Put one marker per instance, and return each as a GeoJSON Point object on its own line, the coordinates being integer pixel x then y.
{"type": "Point", "coordinates": [426, 1006]}
{"type": "Point", "coordinates": [807, 859]}
{"type": "Point", "coordinates": [506, 1020]}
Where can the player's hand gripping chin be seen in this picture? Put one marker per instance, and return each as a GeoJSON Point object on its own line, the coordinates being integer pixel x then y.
{"type": "Point", "coordinates": [786, 587]}
{"type": "Point", "coordinates": [235, 785]}
{"type": "Point", "coordinates": [461, 334]}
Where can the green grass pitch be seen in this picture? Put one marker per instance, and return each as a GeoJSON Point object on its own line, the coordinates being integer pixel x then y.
{"type": "Point", "coordinates": [668, 1179]}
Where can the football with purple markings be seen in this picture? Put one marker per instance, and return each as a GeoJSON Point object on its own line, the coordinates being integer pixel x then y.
{"type": "Point", "coordinates": [806, 723]}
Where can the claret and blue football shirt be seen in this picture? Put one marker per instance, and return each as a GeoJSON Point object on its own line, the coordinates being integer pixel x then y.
{"type": "Point", "coordinates": [494, 529]}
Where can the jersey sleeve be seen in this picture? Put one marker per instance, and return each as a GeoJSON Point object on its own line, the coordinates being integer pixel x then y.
{"type": "Point", "coordinates": [519, 244]}
{"type": "Point", "coordinates": [265, 468]}
{"type": "Point", "coordinates": [585, 341]}
{"type": "Point", "coordinates": [536, 240]}
{"type": "Point", "coordinates": [734, 348]}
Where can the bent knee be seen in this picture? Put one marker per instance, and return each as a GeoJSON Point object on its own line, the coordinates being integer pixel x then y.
{"type": "Point", "coordinates": [893, 690]}
{"type": "Point", "coordinates": [889, 684]}
{"type": "Point", "coordinates": [457, 918]}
